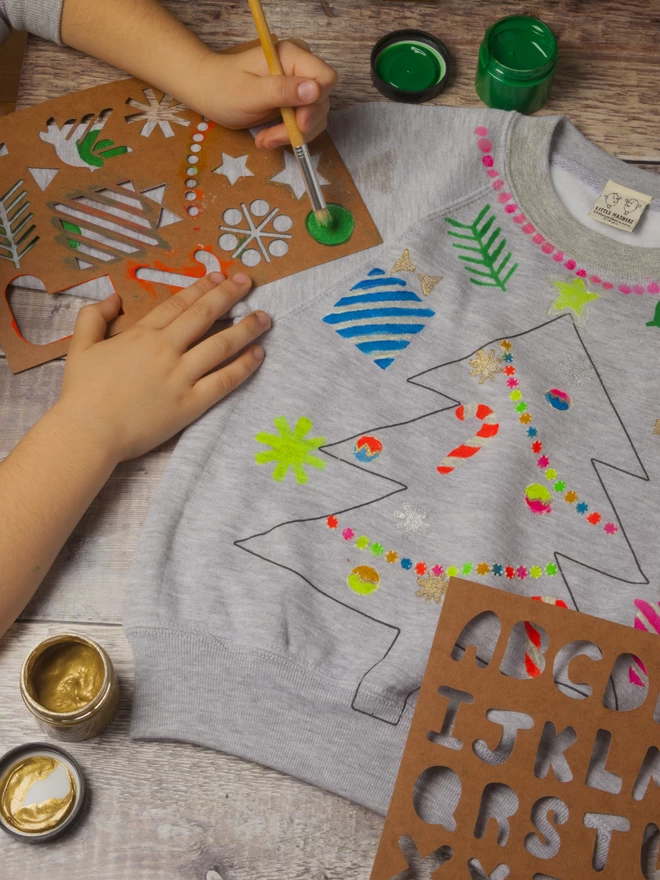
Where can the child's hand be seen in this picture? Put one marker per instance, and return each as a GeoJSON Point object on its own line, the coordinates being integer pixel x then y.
{"type": "Point", "coordinates": [238, 92]}
{"type": "Point", "coordinates": [132, 392]}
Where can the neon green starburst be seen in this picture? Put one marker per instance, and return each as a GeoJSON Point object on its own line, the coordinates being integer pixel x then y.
{"type": "Point", "coordinates": [290, 449]}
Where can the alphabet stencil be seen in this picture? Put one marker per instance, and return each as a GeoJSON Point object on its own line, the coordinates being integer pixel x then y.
{"type": "Point", "coordinates": [501, 736]}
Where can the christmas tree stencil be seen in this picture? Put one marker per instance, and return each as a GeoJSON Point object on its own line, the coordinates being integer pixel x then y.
{"type": "Point", "coordinates": [524, 501]}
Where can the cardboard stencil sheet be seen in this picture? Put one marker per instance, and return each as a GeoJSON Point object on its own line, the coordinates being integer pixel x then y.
{"type": "Point", "coordinates": [123, 181]}
{"type": "Point", "coordinates": [439, 738]}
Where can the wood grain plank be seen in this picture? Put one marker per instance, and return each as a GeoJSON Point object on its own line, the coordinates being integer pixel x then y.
{"type": "Point", "coordinates": [607, 81]}
{"type": "Point", "coordinates": [175, 812]}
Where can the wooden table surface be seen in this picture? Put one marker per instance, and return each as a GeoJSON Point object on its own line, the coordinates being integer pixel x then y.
{"type": "Point", "coordinates": [159, 811]}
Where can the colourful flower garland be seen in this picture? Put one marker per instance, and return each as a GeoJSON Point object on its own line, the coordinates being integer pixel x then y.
{"type": "Point", "coordinates": [543, 462]}
{"type": "Point", "coordinates": [377, 549]}
{"type": "Point", "coordinates": [504, 198]}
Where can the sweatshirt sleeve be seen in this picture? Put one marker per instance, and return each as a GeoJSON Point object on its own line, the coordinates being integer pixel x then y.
{"type": "Point", "coordinates": [40, 17]}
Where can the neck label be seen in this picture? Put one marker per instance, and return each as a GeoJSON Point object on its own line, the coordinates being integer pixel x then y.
{"type": "Point", "coordinates": [619, 206]}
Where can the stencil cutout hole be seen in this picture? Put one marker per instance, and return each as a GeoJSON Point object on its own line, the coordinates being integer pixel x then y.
{"type": "Point", "coordinates": [478, 639]}
{"type": "Point", "coordinates": [546, 814]}
{"type": "Point", "coordinates": [628, 686]}
{"type": "Point", "coordinates": [444, 737]}
{"type": "Point", "coordinates": [42, 317]}
{"type": "Point", "coordinates": [498, 803]}
{"type": "Point", "coordinates": [598, 776]}
{"type": "Point", "coordinates": [419, 867]}
{"type": "Point", "coordinates": [650, 770]}
{"type": "Point", "coordinates": [524, 656]}
{"type": "Point", "coordinates": [576, 690]}
{"type": "Point", "coordinates": [605, 826]}
{"type": "Point", "coordinates": [436, 795]}
{"type": "Point", "coordinates": [510, 723]}
{"type": "Point", "coordinates": [650, 855]}
{"type": "Point", "coordinates": [477, 872]}
{"type": "Point", "coordinates": [550, 755]}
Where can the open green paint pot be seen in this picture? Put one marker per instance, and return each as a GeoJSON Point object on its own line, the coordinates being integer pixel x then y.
{"type": "Point", "coordinates": [409, 66]}
{"type": "Point", "coordinates": [517, 60]}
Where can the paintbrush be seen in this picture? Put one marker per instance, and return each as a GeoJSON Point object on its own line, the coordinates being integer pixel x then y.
{"type": "Point", "coordinates": [300, 148]}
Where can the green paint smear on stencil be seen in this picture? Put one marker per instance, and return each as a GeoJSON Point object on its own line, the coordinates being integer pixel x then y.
{"type": "Point", "coordinates": [341, 230]}
{"type": "Point", "coordinates": [71, 227]}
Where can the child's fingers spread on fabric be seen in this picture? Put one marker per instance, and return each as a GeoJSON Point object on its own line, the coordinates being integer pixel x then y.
{"type": "Point", "coordinates": [205, 311]}
{"type": "Point", "coordinates": [92, 322]}
{"type": "Point", "coordinates": [215, 386]}
{"type": "Point", "coordinates": [167, 312]}
{"type": "Point", "coordinates": [211, 352]}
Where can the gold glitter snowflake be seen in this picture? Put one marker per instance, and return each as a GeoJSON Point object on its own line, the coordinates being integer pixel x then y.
{"type": "Point", "coordinates": [656, 427]}
{"type": "Point", "coordinates": [485, 366]}
{"type": "Point", "coordinates": [432, 587]}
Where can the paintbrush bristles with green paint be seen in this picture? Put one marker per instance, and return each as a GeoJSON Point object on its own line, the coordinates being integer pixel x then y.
{"type": "Point", "coordinates": [300, 148]}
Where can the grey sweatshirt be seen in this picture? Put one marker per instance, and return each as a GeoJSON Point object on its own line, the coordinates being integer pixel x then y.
{"type": "Point", "coordinates": [40, 17]}
{"type": "Point", "coordinates": [477, 396]}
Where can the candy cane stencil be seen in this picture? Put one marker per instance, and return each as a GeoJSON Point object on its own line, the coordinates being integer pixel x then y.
{"type": "Point", "coordinates": [488, 429]}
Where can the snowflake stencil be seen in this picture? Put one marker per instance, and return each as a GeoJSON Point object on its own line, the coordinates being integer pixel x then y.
{"type": "Point", "coordinates": [250, 237]}
{"type": "Point", "coordinates": [411, 520]}
{"type": "Point", "coordinates": [156, 113]}
{"type": "Point", "coordinates": [291, 449]}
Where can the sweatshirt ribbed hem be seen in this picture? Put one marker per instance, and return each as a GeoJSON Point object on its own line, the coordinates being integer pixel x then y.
{"type": "Point", "coordinates": [193, 687]}
{"type": "Point", "coordinates": [42, 19]}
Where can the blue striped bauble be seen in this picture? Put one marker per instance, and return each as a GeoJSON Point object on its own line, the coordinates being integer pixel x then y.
{"type": "Point", "coordinates": [380, 315]}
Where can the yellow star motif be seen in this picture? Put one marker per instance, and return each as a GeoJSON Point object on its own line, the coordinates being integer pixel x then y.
{"type": "Point", "coordinates": [573, 296]}
{"type": "Point", "coordinates": [485, 366]}
{"type": "Point", "coordinates": [404, 263]}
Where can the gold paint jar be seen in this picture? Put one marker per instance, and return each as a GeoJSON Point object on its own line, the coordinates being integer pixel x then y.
{"type": "Point", "coordinates": [69, 684]}
{"type": "Point", "coordinates": [42, 789]}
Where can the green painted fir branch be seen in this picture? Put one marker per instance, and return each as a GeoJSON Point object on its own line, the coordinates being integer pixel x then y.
{"type": "Point", "coordinates": [483, 250]}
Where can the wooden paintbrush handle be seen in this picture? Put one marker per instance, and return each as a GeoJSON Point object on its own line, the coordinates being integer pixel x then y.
{"type": "Point", "coordinates": [275, 68]}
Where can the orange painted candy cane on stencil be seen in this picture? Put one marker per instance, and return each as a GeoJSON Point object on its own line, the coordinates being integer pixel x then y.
{"type": "Point", "coordinates": [488, 429]}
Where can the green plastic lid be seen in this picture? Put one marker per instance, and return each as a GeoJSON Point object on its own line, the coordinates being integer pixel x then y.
{"type": "Point", "coordinates": [409, 66]}
{"type": "Point", "coordinates": [517, 60]}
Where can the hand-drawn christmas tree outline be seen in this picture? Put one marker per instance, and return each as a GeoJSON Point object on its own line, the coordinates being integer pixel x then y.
{"type": "Point", "coordinates": [399, 486]}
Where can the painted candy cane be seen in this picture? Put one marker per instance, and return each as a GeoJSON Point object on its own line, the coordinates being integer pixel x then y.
{"type": "Point", "coordinates": [648, 620]}
{"type": "Point", "coordinates": [533, 658]}
{"type": "Point", "coordinates": [488, 429]}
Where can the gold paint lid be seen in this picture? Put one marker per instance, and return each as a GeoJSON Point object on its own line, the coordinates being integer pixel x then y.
{"type": "Point", "coordinates": [42, 790]}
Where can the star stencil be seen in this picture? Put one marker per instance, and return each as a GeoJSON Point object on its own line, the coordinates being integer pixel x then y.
{"type": "Point", "coordinates": [573, 297]}
{"type": "Point", "coordinates": [292, 177]}
{"type": "Point", "coordinates": [233, 168]}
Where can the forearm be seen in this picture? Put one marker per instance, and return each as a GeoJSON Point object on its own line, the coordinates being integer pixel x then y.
{"type": "Point", "coordinates": [46, 484]}
{"type": "Point", "coordinates": [140, 37]}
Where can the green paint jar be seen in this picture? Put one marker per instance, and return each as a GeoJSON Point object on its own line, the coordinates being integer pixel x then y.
{"type": "Point", "coordinates": [517, 60]}
{"type": "Point", "coordinates": [409, 66]}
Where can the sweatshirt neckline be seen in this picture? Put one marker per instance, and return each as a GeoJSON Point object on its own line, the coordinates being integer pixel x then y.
{"type": "Point", "coordinates": [535, 142]}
